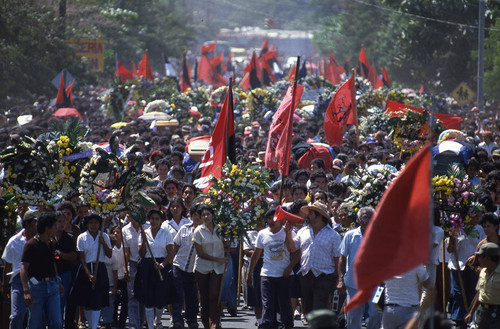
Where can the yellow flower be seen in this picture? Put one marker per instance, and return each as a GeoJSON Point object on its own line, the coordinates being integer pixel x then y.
{"type": "Point", "coordinates": [6, 207]}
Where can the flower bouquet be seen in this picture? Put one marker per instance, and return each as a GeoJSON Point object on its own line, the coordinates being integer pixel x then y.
{"type": "Point", "coordinates": [238, 198]}
{"type": "Point", "coordinates": [369, 189]}
{"type": "Point", "coordinates": [8, 219]}
{"type": "Point", "coordinates": [457, 199]}
{"type": "Point", "coordinates": [32, 171]}
{"type": "Point", "coordinates": [73, 151]}
{"type": "Point", "coordinates": [260, 101]}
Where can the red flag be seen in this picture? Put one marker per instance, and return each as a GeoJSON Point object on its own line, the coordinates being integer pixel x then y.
{"type": "Point", "coordinates": [145, 67]}
{"type": "Point", "coordinates": [316, 151]}
{"type": "Point", "coordinates": [280, 132]}
{"type": "Point", "coordinates": [217, 79]}
{"type": "Point", "coordinates": [397, 238]}
{"type": "Point", "coordinates": [266, 61]}
{"type": "Point", "coordinates": [221, 145]}
{"type": "Point", "coordinates": [339, 113]}
{"type": "Point", "coordinates": [69, 91]}
{"type": "Point", "coordinates": [291, 75]}
{"type": "Point", "coordinates": [385, 77]}
{"type": "Point", "coordinates": [397, 109]}
{"type": "Point", "coordinates": [421, 90]}
{"type": "Point", "coordinates": [281, 214]}
{"type": "Point", "coordinates": [364, 64]}
{"type": "Point", "coordinates": [185, 82]}
{"type": "Point", "coordinates": [378, 83]}
{"type": "Point", "coordinates": [372, 75]}
{"type": "Point", "coordinates": [62, 99]}
{"type": "Point", "coordinates": [123, 72]}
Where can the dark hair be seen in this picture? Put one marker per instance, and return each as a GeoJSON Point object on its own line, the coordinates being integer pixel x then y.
{"type": "Point", "coordinates": [158, 212]}
{"type": "Point", "coordinates": [206, 207]}
{"type": "Point", "coordinates": [298, 186]}
{"type": "Point", "coordinates": [92, 216]}
{"type": "Point", "coordinates": [71, 195]}
{"type": "Point", "coordinates": [300, 172]}
{"type": "Point", "coordinates": [176, 199]}
{"type": "Point", "coordinates": [45, 220]}
{"type": "Point", "coordinates": [67, 205]}
{"type": "Point", "coordinates": [320, 191]}
{"type": "Point", "coordinates": [491, 218]}
{"type": "Point", "coordinates": [319, 163]}
{"type": "Point", "coordinates": [191, 186]}
{"type": "Point", "coordinates": [296, 205]}
{"type": "Point", "coordinates": [317, 174]}
{"type": "Point", "coordinates": [179, 169]}
{"type": "Point", "coordinates": [162, 161]}
{"type": "Point", "coordinates": [171, 180]}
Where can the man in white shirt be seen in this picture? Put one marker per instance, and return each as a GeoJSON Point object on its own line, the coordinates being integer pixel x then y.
{"type": "Point", "coordinates": [131, 233]}
{"type": "Point", "coordinates": [183, 271]}
{"type": "Point", "coordinates": [319, 246]}
{"type": "Point", "coordinates": [275, 273]}
{"type": "Point", "coordinates": [12, 256]}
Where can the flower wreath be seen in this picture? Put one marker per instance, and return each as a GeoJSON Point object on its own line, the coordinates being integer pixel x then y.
{"type": "Point", "coordinates": [238, 198]}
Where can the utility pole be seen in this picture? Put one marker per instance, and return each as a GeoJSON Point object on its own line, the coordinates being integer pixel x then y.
{"type": "Point", "coordinates": [480, 58]}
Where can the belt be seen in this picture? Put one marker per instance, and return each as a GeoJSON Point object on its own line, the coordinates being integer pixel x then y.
{"type": "Point", "coordinates": [48, 278]}
{"type": "Point", "coordinates": [400, 305]}
{"type": "Point", "coordinates": [491, 307]}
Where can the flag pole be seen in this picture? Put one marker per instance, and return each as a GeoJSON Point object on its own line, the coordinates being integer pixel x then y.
{"type": "Point", "coordinates": [229, 114]}
{"type": "Point", "coordinates": [116, 66]}
{"type": "Point", "coordinates": [353, 97]}
{"type": "Point", "coordinates": [292, 107]}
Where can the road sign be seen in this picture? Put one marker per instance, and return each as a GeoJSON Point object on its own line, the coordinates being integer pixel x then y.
{"type": "Point", "coordinates": [93, 50]}
{"type": "Point", "coordinates": [463, 94]}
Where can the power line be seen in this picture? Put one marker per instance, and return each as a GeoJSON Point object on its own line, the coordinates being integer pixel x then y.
{"type": "Point", "coordinates": [423, 17]}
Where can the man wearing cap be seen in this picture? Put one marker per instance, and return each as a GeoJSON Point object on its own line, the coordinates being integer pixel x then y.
{"type": "Point", "coordinates": [319, 245]}
{"type": "Point", "coordinates": [487, 300]}
{"type": "Point", "coordinates": [12, 256]}
{"type": "Point", "coordinates": [346, 283]}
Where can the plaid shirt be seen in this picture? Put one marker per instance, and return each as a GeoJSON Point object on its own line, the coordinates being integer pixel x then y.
{"type": "Point", "coordinates": [318, 250]}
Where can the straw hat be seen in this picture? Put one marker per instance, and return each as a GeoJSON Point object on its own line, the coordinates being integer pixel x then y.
{"type": "Point", "coordinates": [319, 207]}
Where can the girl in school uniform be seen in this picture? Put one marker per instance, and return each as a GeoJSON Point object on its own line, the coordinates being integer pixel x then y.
{"type": "Point", "coordinates": [91, 286]}
{"type": "Point", "coordinates": [153, 282]}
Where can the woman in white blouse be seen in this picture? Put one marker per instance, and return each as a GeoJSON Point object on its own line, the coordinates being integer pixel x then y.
{"type": "Point", "coordinates": [154, 283]}
{"type": "Point", "coordinates": [209, 267]}
{"type": "Point", "coordinates": [91, 286]}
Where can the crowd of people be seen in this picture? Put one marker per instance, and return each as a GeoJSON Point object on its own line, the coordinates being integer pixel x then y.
{"type": "Point", "coordinates": [69, 267]}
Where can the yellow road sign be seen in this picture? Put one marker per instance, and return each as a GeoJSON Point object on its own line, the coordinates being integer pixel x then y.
{"type": "Point", "coordinates": [463, 94]}
{"type": "Point", "coordinates": [93, 50]}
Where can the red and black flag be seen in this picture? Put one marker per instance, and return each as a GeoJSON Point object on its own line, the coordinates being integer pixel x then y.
{"type": "Point", "coordinates": [251, 79]}
{"type": "Point", "coordinates": [62, 99]}
{"type": "Point", "coordinates": [363, 64]}
{"type": "Point", "coordinates": [267, 57]}
{"type": "Point", "coordinates": [185, 82]}
{"type": "Point", "coordinates": [385, 77]}
{"type": "Point", "coordinates": [145, 68]}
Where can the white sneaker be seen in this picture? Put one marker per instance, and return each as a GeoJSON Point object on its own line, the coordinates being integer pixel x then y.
{"type": "Point", "coordinates": [296, 315]}
{"type": "Point", "coordinates": [304, 320]}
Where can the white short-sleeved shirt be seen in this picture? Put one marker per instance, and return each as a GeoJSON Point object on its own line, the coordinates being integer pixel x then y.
{"type": "Point", "coordinates": [131, 241]}
{"type": "Point", "coordinates": [118, 261]}
{"type": "Point", "coordinates": [186, 255]}
{"type": "Point", "coordinates": [349, 248]}
{"type": "Point", "coordinates": [402, 289]}
{"type": "Point", "coordinates": [211, 244]}
{"type": "Point", "coordinates": [13, 252]}
{"type": "Point", "coordinates": [437, 251]}
{"type": "Point", "coordinates": [159, 243]}
{"type": "Point", "coordinates": [173, 227]}
{"type": "Point", "coordinates": [466, 247]}
{"type": "Point", "coordinates": [90, 245]}
{"type": "Point", "coordinates": [276, 254]}
{"type": "Point", "coordinates": [318, 251]}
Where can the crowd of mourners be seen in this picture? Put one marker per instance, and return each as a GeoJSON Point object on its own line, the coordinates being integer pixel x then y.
{"type": "Point", "coordinates": [69, 267]}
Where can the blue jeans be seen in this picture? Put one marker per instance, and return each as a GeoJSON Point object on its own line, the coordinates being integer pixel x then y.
{"type": "Point", "coordinates": [66, 280]}
{"type": "Point", "coordinates": [17, 304]}
{"type": "Point", "coordinates": [135, 309]}
{"type": "Point", "coordinates": [228, 296]}
{"type": "Point", "coordinates": [107, 312]}
{"type": "Point", "coordinates": [457, 308]}
{"type": "Point", "coordinates": [397, 317]}
{"type": "Point", "coordinates": [355, 316]}
{"type": "Point", "coordinates": [46, 305]}
{"type": "Point", "coordinates": [276, 290]}
{"type": "Point", "coordinates": [187, 291]}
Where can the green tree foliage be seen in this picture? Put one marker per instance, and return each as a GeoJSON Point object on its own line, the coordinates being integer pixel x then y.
{"type": "Point", "coordinates": [32, 49]}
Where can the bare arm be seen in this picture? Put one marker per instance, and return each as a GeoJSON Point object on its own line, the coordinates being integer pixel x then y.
{"type": "Point", "coordinates": [24, 280]}
{"type": "Point", "coordinates": [342, 260]}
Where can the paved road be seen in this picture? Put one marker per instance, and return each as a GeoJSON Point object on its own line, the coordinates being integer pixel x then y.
{"type": "Point", "coordinates": [244, 319]}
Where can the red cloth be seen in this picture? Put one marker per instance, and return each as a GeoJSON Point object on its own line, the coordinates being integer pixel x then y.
{"type": "Point", "coordinates": [69, 91]}
{"type": "Point", "coordinates": [221, 143]}
{"type": "Point", "coordinates": [397, 109]}
{"type": "Point", "coordinates": [123, 72]}
{"type": "Point", "coordinates": [397, 238]}
{"type": "Point", "coordinates": [280, 133]}
{"type": "Point", "coordinates": [364, 64]}
{"type": "Point", "coordinates": [281, 214]}
{"type": "Point", "coordinates": [62, 99]}
{"type": "Point", "coordinates": [316, 151]}
{"type": "Point", "coordinates": [251, 79]}
{"type": "Point", "coordinates": [145, 68]}
{"type": "Point", "coordinates": [339, 114]}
